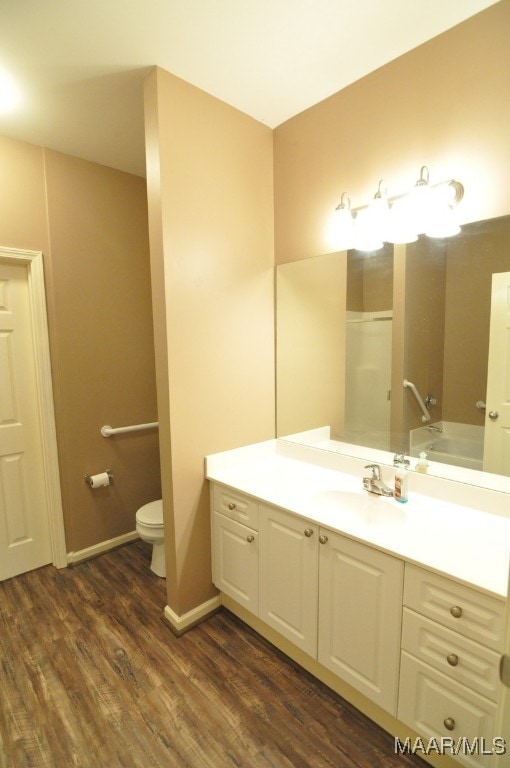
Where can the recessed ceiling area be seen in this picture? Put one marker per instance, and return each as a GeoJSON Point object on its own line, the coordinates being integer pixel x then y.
{"type": "Point", "coordinates": [79, 64]}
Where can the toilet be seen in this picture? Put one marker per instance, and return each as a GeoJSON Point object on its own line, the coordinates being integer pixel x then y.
{"type": "Point", "coordinates": [149, 526]}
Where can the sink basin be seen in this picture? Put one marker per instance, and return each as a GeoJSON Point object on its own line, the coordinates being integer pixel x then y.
{"type": "Point", "coordinates": [366, 507]}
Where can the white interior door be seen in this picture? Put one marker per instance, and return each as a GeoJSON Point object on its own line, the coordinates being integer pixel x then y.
{"type": "Point", "coordinates": [496, 456]}
{"type": "Point", "coordinates": [25, 537]}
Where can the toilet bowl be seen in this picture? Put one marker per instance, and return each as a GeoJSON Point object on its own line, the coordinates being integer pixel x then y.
{"type": "Point", "coordinates": [149, 525]}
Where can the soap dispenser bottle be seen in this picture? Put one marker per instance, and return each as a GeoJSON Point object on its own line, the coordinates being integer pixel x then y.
{"type": "Point", "coordinates": [422, 463]}
{"type": "Point", "coordinates": [400, 491]}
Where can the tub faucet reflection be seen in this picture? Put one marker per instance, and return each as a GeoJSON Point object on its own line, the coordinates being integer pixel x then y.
{"type": "Point", "coordinates": [375, 483]}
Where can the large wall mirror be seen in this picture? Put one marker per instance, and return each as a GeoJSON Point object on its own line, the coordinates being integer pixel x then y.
{"type": "Point", "coordinates": [352, 327]}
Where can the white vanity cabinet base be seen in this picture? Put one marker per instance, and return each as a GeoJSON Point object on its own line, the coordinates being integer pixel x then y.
{"type": "Point", "coordinates": [288, 567]}
{"type": "Point", "coordinates": [449, 652]}
{"type": "Point", "coordinates": [427, 698]}
{"type": "Point", "coordinates": [463, 609]}
{"type": "Point", "coordinates": [360, 606]}
{"type": "Point", "coordinates": [235, 561]}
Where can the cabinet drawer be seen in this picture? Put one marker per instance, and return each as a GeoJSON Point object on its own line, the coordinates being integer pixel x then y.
{"type": "Point", "coordinates": [428, 699]}
{"type": "Point", "coordinates": [467, 611]}
{"type": "Point", "coordinates": [235, 505]}
{"type": "Point", "coordinates": [453, 654]}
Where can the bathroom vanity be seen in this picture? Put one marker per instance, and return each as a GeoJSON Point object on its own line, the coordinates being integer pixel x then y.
{"type": "Point", "coordinates": [400, 608]}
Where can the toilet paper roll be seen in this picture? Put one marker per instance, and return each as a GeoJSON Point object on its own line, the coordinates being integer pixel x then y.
{"type": "Point", "coordinates": [98, 481]}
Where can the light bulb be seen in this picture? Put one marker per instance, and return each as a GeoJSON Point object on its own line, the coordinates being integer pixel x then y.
{"type": "Point", "coordinates": [341, 234]}
{"type": "Point", "coordinates": [365, 238]}
{"type": "Point", "coordinates": [401, 224]}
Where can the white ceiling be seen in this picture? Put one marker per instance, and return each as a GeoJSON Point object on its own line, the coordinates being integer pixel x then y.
{"type": "Point", "coordinates": [80, 63]}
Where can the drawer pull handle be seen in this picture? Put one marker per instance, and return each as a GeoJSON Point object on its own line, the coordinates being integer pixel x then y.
{"type": "Point", "coordinates": [452, 659]}
{"type": "Point", "coordinates": [449, 723]}
{"type": "Point", "coordinates": [231, 505]}
{"type": "Point", "coordinates": [250, 538]}
{"type": "Point", "coordinates": [323, 539]}
{"type": "Point", "coordinates": [456, 611]}
{"type": "Point", "coordinates": [308, 532]}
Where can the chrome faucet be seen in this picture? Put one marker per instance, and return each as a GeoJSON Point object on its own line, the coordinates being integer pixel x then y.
{"type": "Point", "coordinates": [375, 483]}
{"type": "Point", "coordinates": [400, 458]}
{"type": "Point", "coordinates": [434, 428]}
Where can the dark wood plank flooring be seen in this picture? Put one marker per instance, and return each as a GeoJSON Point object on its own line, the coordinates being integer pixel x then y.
{"type": "Point", "coordinates": [91, 676]}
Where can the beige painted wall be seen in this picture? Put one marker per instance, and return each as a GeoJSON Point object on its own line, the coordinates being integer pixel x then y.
{"type": "Point", "coordinates": [310, 332]}
{"type": "Point", "coordinates": [424, 321]}
{"type": "Point", "coordinates": [209, 179]}
{"type": "Point", "coordinates": [91, 225]}
{"type": "Point", "coordinates": [22, 192]}
{"type": "Point", "coordinates": [102, 342]}
{"type": "Point", "coordinates": [444, 104]}
{"type": "Point", "coordinates": [370, 280]}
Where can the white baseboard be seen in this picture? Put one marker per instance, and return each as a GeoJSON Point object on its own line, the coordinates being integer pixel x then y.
{"type": "Point", "coordinates": [98, 549]}
{"type": "Point", "coordinates": [180, 624]}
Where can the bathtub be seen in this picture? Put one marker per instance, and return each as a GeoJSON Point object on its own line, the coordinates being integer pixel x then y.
{"type": "Point", "coordinates": [459, 444]}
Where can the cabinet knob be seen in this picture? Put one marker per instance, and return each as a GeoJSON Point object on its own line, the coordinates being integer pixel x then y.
{"type": "Point", "coordinates": [452, 659]}
{"type": "Point", "coordinates": [231, 505]}
{"type": "Point", "coordinates": [323, 539]}
{"type": "Point", "coordinates": [456, 611]}
{"type": "Point", "coordinates": [308, 532]}
{"type": "Point", "coordinates": [449, 723]}
{"type": "Point", "coordinates": [250, 538]}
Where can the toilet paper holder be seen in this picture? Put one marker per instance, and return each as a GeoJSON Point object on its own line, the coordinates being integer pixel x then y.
{"type": "Point", "coordinates": [89, 479]}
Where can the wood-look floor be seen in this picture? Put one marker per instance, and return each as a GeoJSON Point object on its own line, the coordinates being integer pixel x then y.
{"type": "Point", "coordinates": [91, 676]}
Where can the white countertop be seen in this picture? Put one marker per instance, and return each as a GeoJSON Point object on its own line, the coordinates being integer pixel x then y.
{"type": "Point", "coordinates": [455, 539]}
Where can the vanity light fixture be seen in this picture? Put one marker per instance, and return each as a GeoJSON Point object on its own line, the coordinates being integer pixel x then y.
{"type": "Point", "coordinates": [342, 225]}
{"type": "Point", "coordinates": [426, 209]}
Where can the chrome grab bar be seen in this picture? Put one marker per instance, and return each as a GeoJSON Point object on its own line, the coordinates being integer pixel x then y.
{"type": "Point", "coordinates": [419, 399]}
{"type": "Point", "coordinates": [108, 431]}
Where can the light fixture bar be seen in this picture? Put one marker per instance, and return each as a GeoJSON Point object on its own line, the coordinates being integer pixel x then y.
{"type": "Point", "coordinates": [426, 208]}
{"type": "Point", "coordinates": [456, 186]}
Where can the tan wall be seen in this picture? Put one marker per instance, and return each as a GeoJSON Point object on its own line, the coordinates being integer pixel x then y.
{"type": "Point", "coordinates": [102, 344]}
{"type": "Point", "coordinates": [471, 262]}
{"type": "Point", "coordinates": [444, 104]}
{"type": "Point", "coordinates": [310, 328]}
{"type": "Point", "coordinates": [23, 209]}
{"type": "Point", "coordinates": [210, 193]}
{"type": "Point", "coordinates": [425, 291]}
{"type": "Point", "coordinates": [370, 280]}
{"type": "Point", "coordinates": [99, 309]}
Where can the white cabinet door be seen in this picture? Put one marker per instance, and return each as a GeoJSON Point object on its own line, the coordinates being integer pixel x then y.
{"type": "Point", "coordinates": [437, 707]}
{"type": "Point", "coordinates": [288, 550]}
{"type": "Point", "coordinates": [496, 454]}
{"type": "Point", "coordinates": [235, 561]}
{"type": "Point", "coordinates": [360, 607]}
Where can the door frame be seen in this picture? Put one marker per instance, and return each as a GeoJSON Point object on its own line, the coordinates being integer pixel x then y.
{"type": "Point", "coordinates": [33, 260]}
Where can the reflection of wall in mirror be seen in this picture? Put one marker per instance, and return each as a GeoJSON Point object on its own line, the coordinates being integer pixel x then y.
{"type": "Point", "coordinates": [310, 332]}
{"type": "Point", "coordinates": [424, 317]}
{"type": "Point", "coordinates": [472, 258]}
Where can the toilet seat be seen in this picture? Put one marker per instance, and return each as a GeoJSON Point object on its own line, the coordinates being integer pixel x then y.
{"type": "Point", "coordinates": [151, 514]}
